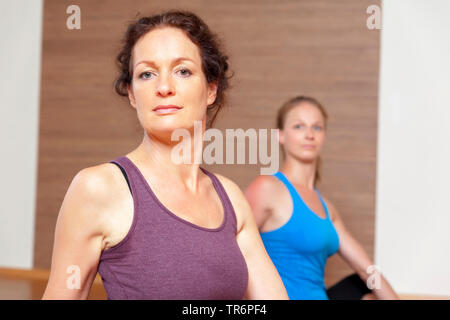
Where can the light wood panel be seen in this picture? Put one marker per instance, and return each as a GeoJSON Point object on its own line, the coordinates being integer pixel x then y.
{"type": "Point", "coordinates": [25, 284]}
{"type": "Point", "coordinates": [16, 284]}
{"type": "Point", "coordinates": [277, 49]}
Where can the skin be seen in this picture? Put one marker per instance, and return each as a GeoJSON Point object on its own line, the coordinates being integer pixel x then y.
{"type": "Point", "coordinates": [271, 202]}
{"type": "Point", "coordinates": [97, 210]}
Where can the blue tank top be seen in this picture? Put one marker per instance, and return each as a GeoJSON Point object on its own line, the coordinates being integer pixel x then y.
{"type": "Point", "coordinates": [300, 248]}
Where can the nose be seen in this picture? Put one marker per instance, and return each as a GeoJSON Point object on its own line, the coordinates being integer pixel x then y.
{"type": "Point", "coordinates": [165, 86]}
{"type": "Point", "coordinates": [310, 133]}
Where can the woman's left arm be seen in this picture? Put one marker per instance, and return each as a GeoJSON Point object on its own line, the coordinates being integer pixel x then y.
{"type": "Point", "coordinates": [355, 255]}
{"type": "Point", "coordinates": [264, 282]}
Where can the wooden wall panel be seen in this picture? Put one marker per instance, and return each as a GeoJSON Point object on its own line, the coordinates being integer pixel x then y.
{"type": "Point", "coordinates": [277, 49]}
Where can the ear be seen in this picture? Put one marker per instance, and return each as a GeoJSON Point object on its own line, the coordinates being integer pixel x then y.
{"type": "Point", "coordinates": [131, 96]}
{"type": "Point", "coordinates": [280, 136]}
{"type": "Point", "coordinates": [212, 93]}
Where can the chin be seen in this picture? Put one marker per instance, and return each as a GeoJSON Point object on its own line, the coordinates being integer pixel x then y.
{"type": "Point", "coordinates": [306, 157]}
{"type": "Point", "coordinates": [162, 127]}
{"type": "Point", "coordinates": [184, 124]}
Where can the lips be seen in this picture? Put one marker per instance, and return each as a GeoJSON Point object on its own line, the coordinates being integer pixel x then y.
{"type": "Point", "coordinates": [170, 106]}
{"type": "Point", "coordinates": [308, 146]}
{"type": "Point", "coordinates": [166, 109]}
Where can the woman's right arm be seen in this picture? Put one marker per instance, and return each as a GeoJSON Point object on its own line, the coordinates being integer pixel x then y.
{"type": "Point", "coordinates": [79, 236]}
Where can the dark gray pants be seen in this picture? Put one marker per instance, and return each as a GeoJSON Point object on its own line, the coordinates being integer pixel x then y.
{"type": "Point", "coordinates": [349, 288]}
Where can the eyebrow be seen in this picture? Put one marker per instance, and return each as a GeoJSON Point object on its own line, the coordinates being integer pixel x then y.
{"type": "Point", "coordinates": [174, 61]}
{"type": "Point", "coordinates": [303, 122]}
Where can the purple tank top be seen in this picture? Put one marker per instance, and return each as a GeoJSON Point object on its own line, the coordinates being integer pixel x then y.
{"type": "Point", "coordinates": [166, 257]}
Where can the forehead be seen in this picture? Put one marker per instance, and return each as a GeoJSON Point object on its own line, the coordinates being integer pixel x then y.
{"type": "Point", "coordinates": [164, 44]}
{"type": "Point", "coordinates": [306, 112]}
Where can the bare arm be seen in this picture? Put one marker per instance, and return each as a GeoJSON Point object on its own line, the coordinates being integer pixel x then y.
{"type": "Point", "coordinates": [257, 194]}
{"type": "Point", "coordinates": [264, 281]}
{"type": "Point", "coordinates": [355, 255]}
{"type": "Point", "coordinates": [78, 238]}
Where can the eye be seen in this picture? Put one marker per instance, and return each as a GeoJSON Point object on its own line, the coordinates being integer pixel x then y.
{"type": "Point", "coordinates": [145, 75]}
{"type": "Point", "coordinates": [298, 126]}
{"type": "Point", "coordinates": [184, 72]}
{"type": "Point", "coordinates": [317, 128]}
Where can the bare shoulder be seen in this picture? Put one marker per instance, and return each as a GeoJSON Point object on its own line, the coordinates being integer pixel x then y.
{"type": "Point", "coordinates": [262, 188]}
{"type": "Point", "coordinates": [98, 182]}
{"type": "Point", "coordinates": [94, 195]}
{"type": "Point", "coordinates": [228, 184]}
{"type": "Point", "coordinates": [233, 191]}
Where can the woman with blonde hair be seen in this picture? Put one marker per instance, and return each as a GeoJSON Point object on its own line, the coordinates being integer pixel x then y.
{"type": "Point", "coordinates": [300, 228]}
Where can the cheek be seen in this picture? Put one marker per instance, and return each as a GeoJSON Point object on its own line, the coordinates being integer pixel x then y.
{"type": "Point", "coordinates": [193, 97]}
{"type": "Point", "coordinates": [293, 138]}
{"type": "Point", "coordinates": [297, 136]}
{"type": "Point", "coordinates": [320, 139]}
{"type": "Point", "coordinates": [143, 93]}
{"type": "Point", "coordinates": [199, 90]}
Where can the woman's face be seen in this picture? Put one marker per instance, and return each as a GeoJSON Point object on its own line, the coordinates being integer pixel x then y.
{"type": "Point", "coordinates": [167, 70]}
{"type": "Point", "coordinates": [304, 132]}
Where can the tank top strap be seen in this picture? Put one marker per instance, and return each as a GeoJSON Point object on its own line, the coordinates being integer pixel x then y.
{"type": "Point", "coordinates": [229, 213]}
{"type": "Point", "coordinates": [127, 171]}
{"type": "Point", "coordinates": [135, 181]}
{"type": "Point", "coordinates": [294, 194]}
{"type": "Point", "coordinates": [323, 203]}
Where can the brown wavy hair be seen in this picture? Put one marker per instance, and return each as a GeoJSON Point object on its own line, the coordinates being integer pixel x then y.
{"type": "Point", "coordinates": [214, 62]}
{"type": "Point", "coordinates": [281, 117]}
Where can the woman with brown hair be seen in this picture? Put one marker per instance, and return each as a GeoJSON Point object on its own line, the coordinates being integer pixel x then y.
{"type": "Point", "coordinates": [300, 228]}
{"type": "Point", "coordinates": [152, 228]}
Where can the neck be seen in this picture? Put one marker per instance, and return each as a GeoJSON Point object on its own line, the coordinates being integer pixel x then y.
{"type": "Point", "coordinates": [159, 155]}
{"type": "Point", "coordinates": [300, 172]}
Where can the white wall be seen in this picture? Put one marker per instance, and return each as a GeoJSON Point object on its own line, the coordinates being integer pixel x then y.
{"type": "Point", "coordinates": [20, 58]}
{"type": "Point", "coordinates": [412, 244]}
